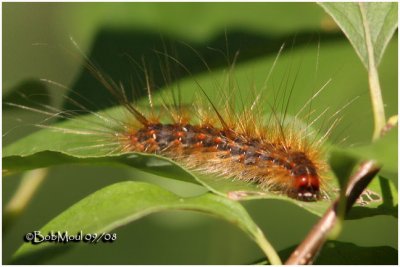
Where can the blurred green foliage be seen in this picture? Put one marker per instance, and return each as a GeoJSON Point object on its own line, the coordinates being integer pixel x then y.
{"type": "Point", "coordinates": [110, 32]}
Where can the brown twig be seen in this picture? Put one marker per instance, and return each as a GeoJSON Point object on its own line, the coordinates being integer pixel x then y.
{"type": "Point", "coordinates": [308, 249]}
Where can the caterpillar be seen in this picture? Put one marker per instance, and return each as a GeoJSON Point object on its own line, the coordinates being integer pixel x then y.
{"type": "Point", "coordinates": [277, 152]}
{"type": "Point", "coordinates": [275, 164]}
{"type": "Point", "coordinates": [280, 155]}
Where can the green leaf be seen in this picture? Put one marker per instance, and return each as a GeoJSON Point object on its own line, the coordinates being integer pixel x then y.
{"type": "Point", "coordinates": [67, 142]}
{"type": "Point", "coordinates": [141, 23]}
{"type": "Point", "coordinates": [369, 27]}
{"type": "Point", "coordinates": [380, 198]}
{"type": "Point", "coordinates": [122, 203]}
{"type": "Point", "coordinates": [380, 23]}
{"type": "Point", "coordinates": [383, 150]}
{"type": "Point", "coordinates": [342, 164]}
{"type": "Point", "coordinates": [78, 149]}
{"type": "Point", "coordinates": [62, 150]}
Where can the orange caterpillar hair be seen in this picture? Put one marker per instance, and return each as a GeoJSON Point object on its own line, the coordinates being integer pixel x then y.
{"type": "Point", "coordinates": [279, 160]}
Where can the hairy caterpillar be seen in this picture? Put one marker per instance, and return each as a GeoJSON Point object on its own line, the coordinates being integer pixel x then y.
{"type": "Point", "coordinates": [276, 152]}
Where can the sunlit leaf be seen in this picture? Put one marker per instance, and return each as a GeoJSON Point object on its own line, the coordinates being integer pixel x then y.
{"type": "Point", "coordinates": [380, 22]}
{"type": "Point", "coordinates": [121, 203]}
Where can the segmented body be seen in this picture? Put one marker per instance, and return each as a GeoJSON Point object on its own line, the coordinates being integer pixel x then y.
{"type": "Point", "coordinates": [219, 151]}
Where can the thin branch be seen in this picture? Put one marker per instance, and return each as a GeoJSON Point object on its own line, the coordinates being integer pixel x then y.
{"type": "Point", "coordinates": [308, 249]}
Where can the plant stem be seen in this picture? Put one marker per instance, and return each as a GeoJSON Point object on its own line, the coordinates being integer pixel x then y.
{"type": "Point", "coordinates": [373, 78]}
{"type": "Point", "coordinates": [308, 249]}
{"type": "Point", "coordinates": [268, 249]}
{"type": "Point", "coordinates": [29, 184]}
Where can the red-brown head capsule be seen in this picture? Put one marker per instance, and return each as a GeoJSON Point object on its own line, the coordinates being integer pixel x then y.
{"type": "Point", "coordinates": [306, 187]}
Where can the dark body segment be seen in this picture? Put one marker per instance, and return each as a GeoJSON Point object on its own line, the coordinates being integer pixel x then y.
{"type": "Point", "coordinates": [298, 168]}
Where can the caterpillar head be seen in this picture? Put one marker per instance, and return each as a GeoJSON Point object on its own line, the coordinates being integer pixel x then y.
{"type": "Point", "coordinates": [306, 184]}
